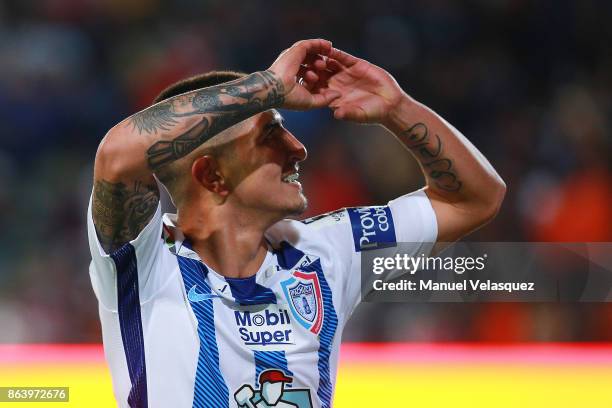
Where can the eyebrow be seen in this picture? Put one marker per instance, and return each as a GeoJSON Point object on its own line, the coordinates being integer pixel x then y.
{"type": "Point", "coordinates": [276, 121]}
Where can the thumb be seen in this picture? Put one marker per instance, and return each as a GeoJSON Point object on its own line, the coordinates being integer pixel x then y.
{"type": "Point", "coordinates": [339, 113]}
{"type": "Point", "coordinates": [287, 65]}
{"type": "Point", "coordinates": [288, 62]}
{"type": "Point", "coordinates": [352, 113]}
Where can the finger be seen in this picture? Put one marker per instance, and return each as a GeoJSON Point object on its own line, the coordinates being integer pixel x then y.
{"type": "Point", "coordinates": [302, 71]}
{"type": "Point", "coordinates": [288, 62]}
{"type": "Point", "coordinates": [311, 77]}
{"type": "Point", "coordinates": [301, 50]}
{"type": "Point", "coordinates": [309, 86]}
{"type": "Point", "coordinates": [323, 82]}
{"type": "Point", "coordinates": [308, 80]}
{"type": "Point", "coordinates": [334, 65]}
{"type": "Point", "coordinates": [314, 79]}
{"type": "Point", "coordinates": [314, 46]}
{"type": "Point", "coordinates": [353, 113]}
{"type": "Point", "coordinates": [345, 114]}
{"type": "Point", "coordinates": [319, 63]}
{"type": "Point", "coordinates": [314, 62]}
{"type": "Point", "coordinates": [343, 57]}
{"type": "Point", "coordinates": [304, 68]}
{"type": "Point", "coordinates": [315, 52]}
{"type": "Point", "coordinates": [310, 59]}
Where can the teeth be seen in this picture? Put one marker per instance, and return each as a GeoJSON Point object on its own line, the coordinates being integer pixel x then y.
{"type": "Point", "coordinates": [291, 178]}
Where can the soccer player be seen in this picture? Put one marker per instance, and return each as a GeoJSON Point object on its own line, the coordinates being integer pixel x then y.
{"type": "Point", "coordinates": [196, 306]}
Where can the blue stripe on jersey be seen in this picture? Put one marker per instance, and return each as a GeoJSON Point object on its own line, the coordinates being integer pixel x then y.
{"type": "Point", "coordinates": [326, 336]}
{"type": "Point", "coordinates": [288, 257]}
{"type": "Point", "coordinates": [265, 360]}
{"type": "Point", "coordinates": [248, 292]}
{"type": "Point", "coordinates": [130, 323]}
{"type": "Point", "coordinates": [210, 389]}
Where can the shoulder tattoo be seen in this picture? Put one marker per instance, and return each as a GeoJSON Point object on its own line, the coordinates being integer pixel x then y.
{"type": "Point", "coordinates": [120, 212]}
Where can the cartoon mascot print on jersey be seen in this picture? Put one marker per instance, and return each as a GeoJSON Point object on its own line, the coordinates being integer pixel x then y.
{"type": "Point", "coordinates": [272, 393]}
{"type": "Point", "coordinates": [303, 294]}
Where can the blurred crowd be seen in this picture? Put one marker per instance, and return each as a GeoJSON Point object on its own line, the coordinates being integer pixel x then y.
{"type": "Point", "coordinates": [528, 82]}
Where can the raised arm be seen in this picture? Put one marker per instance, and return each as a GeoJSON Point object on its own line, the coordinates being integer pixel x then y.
{"type": "Point", "coordinates": [464, 189]}
{"type": "Point", "coordinates": [125, 194]}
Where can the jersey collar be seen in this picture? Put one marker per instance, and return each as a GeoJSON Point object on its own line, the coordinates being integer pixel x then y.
{"type": "Point", "coordinates": [244, 291]}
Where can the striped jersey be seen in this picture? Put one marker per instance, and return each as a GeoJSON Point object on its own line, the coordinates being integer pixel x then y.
{"type": "Point", "coordinates": [179, 334]}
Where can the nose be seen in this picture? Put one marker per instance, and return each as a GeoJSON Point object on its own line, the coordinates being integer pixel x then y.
{"type": "Point", "coordinates": [297, 151]}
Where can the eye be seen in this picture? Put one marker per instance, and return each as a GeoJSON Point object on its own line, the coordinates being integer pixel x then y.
{"type": "Point", "coordinates": [269, 133]}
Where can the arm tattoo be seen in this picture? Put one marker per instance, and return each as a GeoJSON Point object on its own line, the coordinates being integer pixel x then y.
{"type": "Point", "coordinates": [156, 117]}
{"type": "Point", "coordinates": [220, 107]}
{"type": "Point", "coordinates": [429, 151]}
{"type": "Point", "coordinates": [121, 212]}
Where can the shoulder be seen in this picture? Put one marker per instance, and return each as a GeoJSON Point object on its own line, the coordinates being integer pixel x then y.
{"type": "Point", "coordinates": [327, 219]}
{"type": "Point", "coordinates": [312, 232]}
{"type": "Point", "coordinates": [365, 227]}
{"type": "Point", "coordinates": [357, 227]}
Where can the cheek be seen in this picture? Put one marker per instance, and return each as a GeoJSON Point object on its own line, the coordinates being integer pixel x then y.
{"type": "Point", "coordinates": [248, 170]}
{"type": "Point", "coordinates": [267, 173]}
{"type": "Point", "coordinates": [259, 181]}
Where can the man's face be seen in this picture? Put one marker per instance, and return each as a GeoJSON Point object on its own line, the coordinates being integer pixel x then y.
{"type": "Point", "coordinates": [264, 167]}
{"type": "Point", "coordinates": [271, 392]}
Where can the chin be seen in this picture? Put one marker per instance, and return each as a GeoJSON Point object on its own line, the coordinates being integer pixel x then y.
{"type": "Point", "coordinates": [298, 208]}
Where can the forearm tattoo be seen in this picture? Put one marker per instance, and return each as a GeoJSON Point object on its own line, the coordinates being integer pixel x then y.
{"type": "Point", "coordinates": [428, 151]}
{"type": "Point", "coordinates": [154, 118]}
{"type": "Point", "coordinates": [220, 107]}
{"type": "Point", "coordinates": [120, 212]}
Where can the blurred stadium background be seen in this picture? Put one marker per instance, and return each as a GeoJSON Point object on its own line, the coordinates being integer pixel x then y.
{"type": "Point", "coordinates": [527, 81]}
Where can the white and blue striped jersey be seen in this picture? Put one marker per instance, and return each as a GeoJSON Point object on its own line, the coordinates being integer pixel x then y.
{"type": "Point", "coordinates": [178, 334]}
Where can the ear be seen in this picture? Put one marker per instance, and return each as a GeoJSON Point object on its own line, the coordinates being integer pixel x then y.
{"type": "Point", "coordinates": [205, 170]}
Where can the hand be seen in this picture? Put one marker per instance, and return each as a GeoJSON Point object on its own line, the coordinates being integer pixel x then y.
{"type": "Point", "coordinates": [300, 66]}
{"type": "Point", "coordinates": [369, 93]}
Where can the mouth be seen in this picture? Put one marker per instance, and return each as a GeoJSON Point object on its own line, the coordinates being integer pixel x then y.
{"type": "Point", "coordinates": [291, 178]}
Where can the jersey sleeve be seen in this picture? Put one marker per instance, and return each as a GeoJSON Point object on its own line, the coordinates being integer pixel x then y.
{"type": "Point", "coordinates": [409, 219]}
{"type": "Point", "coordinates": [144, 252]}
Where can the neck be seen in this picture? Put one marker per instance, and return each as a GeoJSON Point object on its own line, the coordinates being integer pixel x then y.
{"type": "Point", "coordinates": [231, 242]}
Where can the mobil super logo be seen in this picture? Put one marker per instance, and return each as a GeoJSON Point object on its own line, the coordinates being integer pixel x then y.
{"type": "Point", "coordinates": [268, 329]}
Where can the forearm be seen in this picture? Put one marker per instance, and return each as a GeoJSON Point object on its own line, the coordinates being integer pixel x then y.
{"type": "Point", "coordinates": [454, 169]}
{"type": "Point", "coordinates": [173, 128]}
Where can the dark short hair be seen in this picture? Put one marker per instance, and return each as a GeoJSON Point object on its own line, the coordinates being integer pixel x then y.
{"type": "Point", "coordinates": [196, 82]}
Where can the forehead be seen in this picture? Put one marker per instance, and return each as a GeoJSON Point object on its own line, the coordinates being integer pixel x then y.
{"type": "Point", "coordinates": [252, 126]}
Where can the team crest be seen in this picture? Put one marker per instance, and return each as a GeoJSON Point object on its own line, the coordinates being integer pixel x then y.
{"type": "Point", "coordinates": [303, 294]}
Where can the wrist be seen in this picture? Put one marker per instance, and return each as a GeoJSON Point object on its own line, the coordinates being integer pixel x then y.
{"type": "Point", "coordinates": [275, 88]}
{"type": "Point", "coordinates": [401, 116]}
